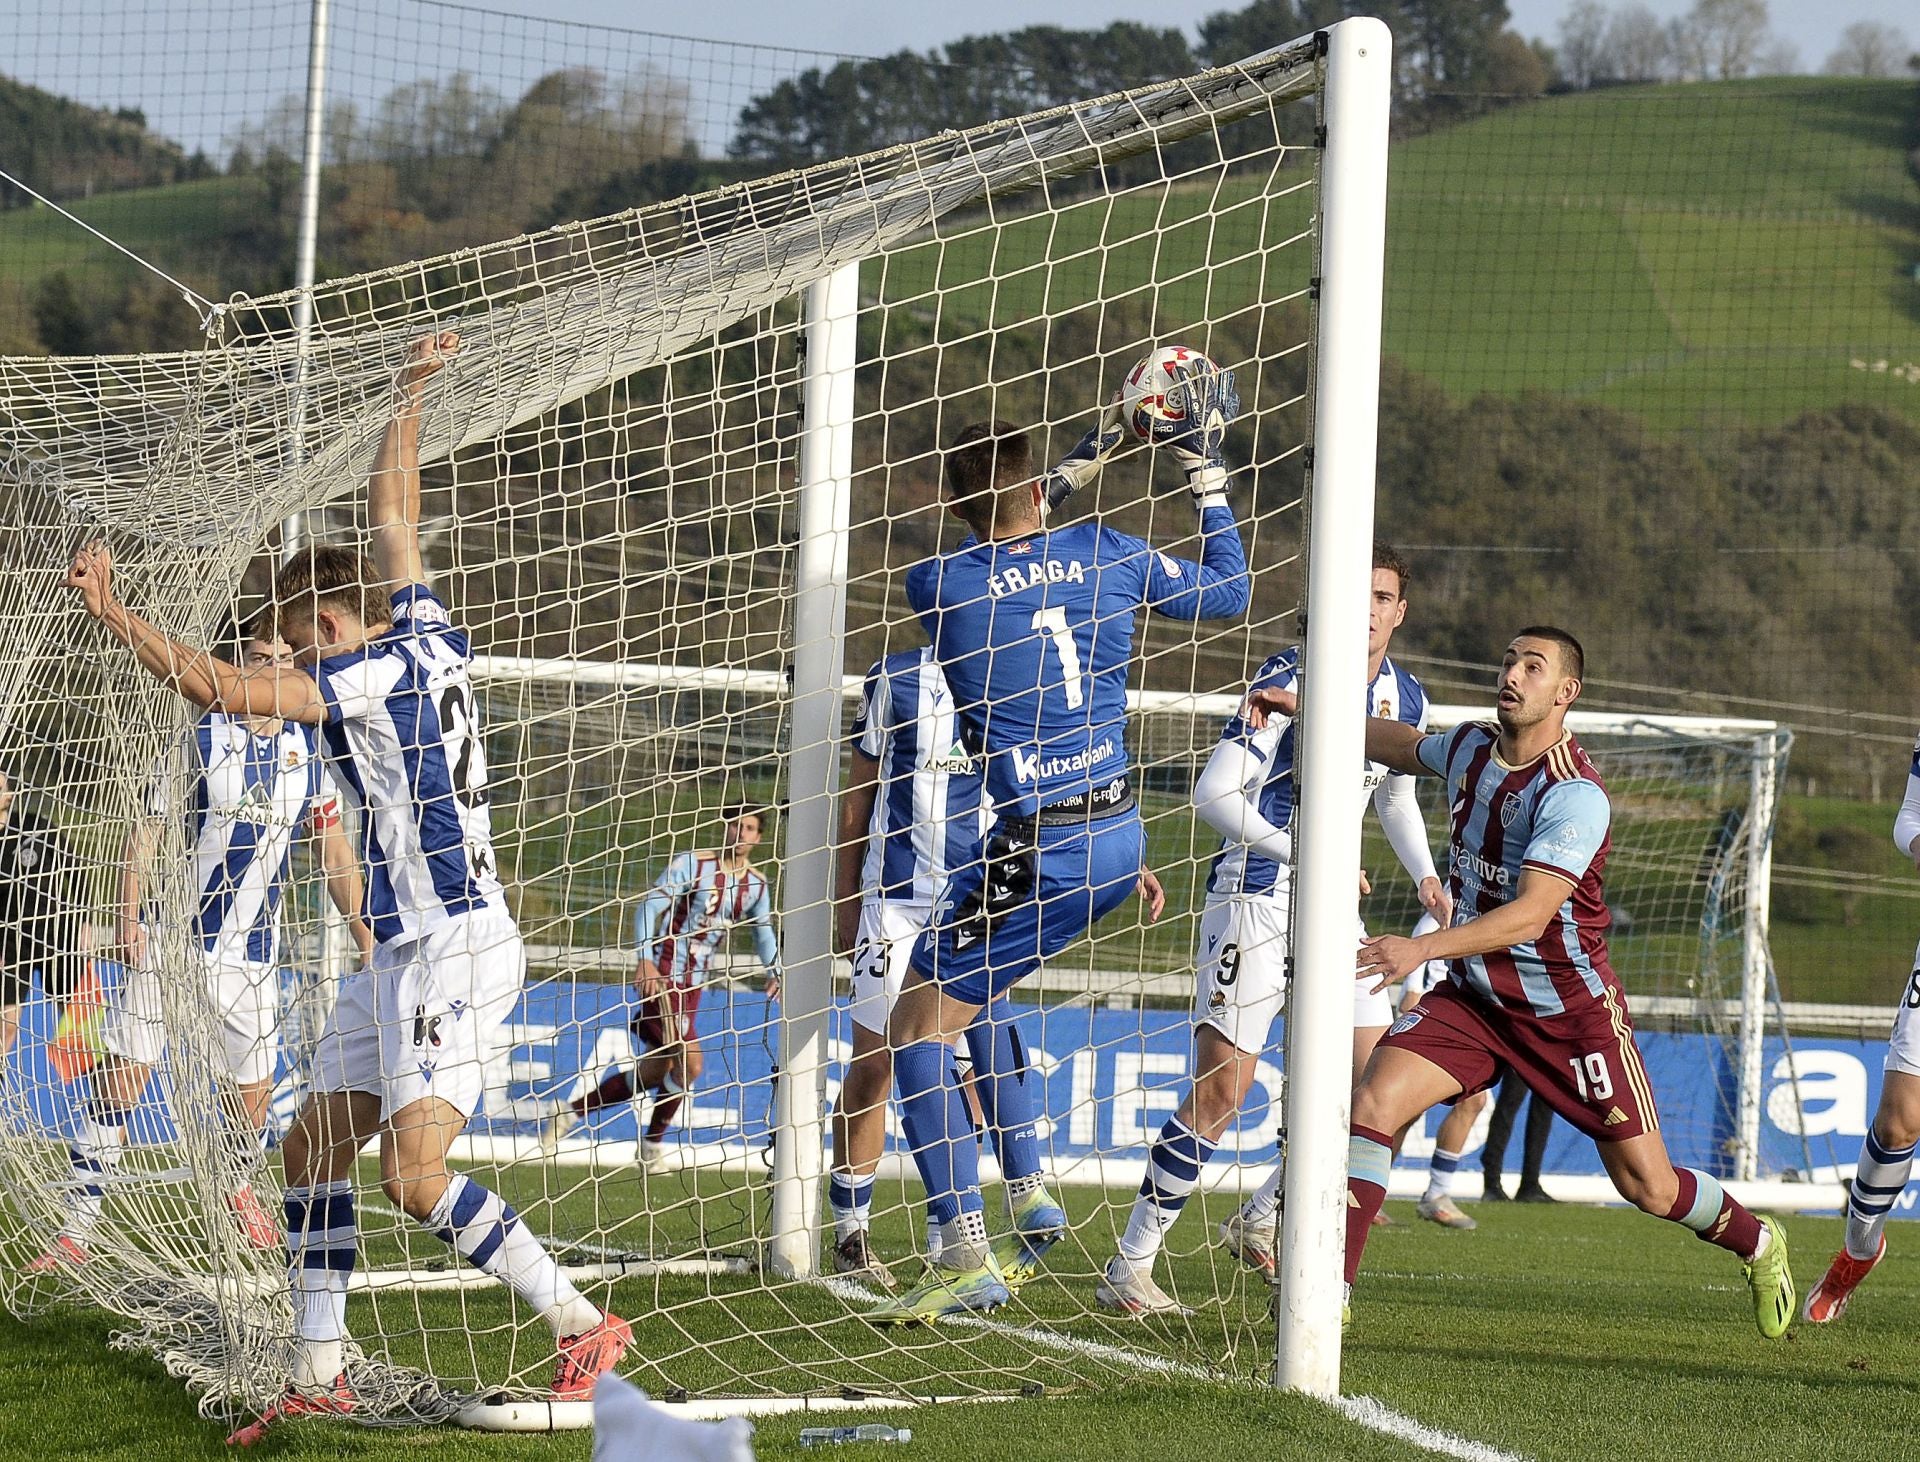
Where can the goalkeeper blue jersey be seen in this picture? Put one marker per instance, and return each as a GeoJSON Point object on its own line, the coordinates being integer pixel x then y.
{"type": "Point", "coordinates": [1035, 635]}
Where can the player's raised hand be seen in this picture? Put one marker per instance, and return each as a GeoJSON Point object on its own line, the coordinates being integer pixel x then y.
{"type": "Point", "coordinates": [426, 357]}
{"type": "Point", "coordinates": [1435, 899]}
{"type": "Point", "coordinates": [1152, 894]}
{"type": "Point", "coordinates": [1387, 959]}
{"type": "Point", "coordinates": [1080, 466]}
{"type": "Point", "coordinates": [91, 576]}
{"type": "Point", "coordinates": [1270, 701]}
{"type": "Point", "coordinates": [1212, 404]}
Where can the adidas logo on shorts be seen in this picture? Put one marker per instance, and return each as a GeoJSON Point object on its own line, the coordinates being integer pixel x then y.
{"type": "Point", "coordinates": [1615, 1116]}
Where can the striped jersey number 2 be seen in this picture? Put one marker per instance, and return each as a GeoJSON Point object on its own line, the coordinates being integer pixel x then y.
{"type": "Point", "coordinates": [1053, 624]}
{"type": "Point", "coordinates": [1591, 1076]}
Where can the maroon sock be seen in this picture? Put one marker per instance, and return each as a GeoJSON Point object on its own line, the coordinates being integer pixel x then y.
{"type": "Point", "coordinates": [664, 1112]}
{"type": "Point", "coordinates": [1714, 1214]}
{"type": "Point", "coordinates": [1369, 1161]}
{"type": "Point", "coordinates": [616, 1088]}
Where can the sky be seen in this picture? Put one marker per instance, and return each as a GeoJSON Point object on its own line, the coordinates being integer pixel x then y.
{"type": "Point", "coordinates": [205, 71]}
{"type": "Point", "coordinates": [876, 29]}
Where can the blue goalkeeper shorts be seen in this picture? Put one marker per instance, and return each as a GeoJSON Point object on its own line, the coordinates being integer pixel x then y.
{"type": "Point", "coordinates": [1034, 890]}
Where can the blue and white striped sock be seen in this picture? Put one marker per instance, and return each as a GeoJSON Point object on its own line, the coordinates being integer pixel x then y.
{"type": "Point", "coordinates": [489, 1235]}
{"type": "Point", "coordinates": [94, 1152]}
{"type": "Point", "coordinates": [322, 1244]}
{"type": "Point", "coordinates": [850, 1199]}
{"type": "Point", "coordinates": [1877, 1181]}
{"type": "Point", "coordinates": [1173, 1170]}
{"type": "Point", "coordinates": [1440, 1174]}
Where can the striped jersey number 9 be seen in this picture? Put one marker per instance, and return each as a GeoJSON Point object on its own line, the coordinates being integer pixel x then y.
{"type": "Point", "coordinates": [456, 724]}
{"type": "Point", "coordinates": [1053, 624]}
{"type": "Point", "coordinates": [1591, 1076]}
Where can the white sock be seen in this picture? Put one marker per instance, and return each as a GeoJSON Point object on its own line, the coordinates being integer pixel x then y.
{"type": "Point", "coordinates": [489, 1235]}
{"type": "Point", "coordinates": [95, 1152]}
{"type": "Point", "coordinates": [933, 1237]}
{"type": "Point", "coordinates": [1877, 1180]}
{"type": "Point", "coordinates": [850, 1201]}
{"type": "Point", "coordinates": [322, 1243]}
{"type": "Point", "coordinates": [1265, 1201]}
{"type": "Point", "coordinates": [1174, 1163]}
{"type": "Point", "coordinates": [1440, 1175]}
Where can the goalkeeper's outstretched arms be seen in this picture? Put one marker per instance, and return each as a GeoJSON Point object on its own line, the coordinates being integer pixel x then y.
{"type": "Point", "coordinates": [1082, 465]}
{"type": "Point", "coordinates": [1218, 587]}
{"type": "Point", "coordinates": [198, 675]}
{"type": "Point", "coordinates": [393, 490]}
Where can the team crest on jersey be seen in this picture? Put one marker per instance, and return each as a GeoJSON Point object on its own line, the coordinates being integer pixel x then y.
{"type": "Point", "coordinates": [1509, 809]}
{"type": "Point", "coordinates": [1406, 1022]}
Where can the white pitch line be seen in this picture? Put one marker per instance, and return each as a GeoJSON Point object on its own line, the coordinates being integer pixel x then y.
{"type": "Point", "coordinates": [1361, 1410]}
{"type": "Point", "coordinates": [1379, 1417]}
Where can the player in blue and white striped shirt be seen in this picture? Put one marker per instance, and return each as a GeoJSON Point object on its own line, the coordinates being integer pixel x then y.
{"type": "Point", "coordinates": [913, 812]}
{"type": "Point", "coordinates": [255, 785]}
{"type": "Point", "coordinates": [403, 1054]}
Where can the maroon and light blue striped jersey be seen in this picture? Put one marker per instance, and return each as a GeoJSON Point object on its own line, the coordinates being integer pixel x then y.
{"type": "Point", "coordinates": [1551, 815]}
{"type": "Point", "coordinates": [686, 914]}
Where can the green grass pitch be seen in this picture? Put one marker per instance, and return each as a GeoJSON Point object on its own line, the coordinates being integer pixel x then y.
{"type": "Point", "coordinates": [1550, 1333]}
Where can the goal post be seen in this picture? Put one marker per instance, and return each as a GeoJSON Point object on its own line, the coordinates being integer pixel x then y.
{"type": "Point", "coordinates": [813, 771]}
{"type": "Point", "coordinates": [1350, 254]}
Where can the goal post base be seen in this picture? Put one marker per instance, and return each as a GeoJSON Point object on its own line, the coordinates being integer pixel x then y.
{"type": "Point", "coordinates": [506, 1414]}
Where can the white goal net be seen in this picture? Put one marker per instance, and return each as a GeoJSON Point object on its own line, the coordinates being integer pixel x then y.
{"type": "Point", "coordinates": [614, 511]}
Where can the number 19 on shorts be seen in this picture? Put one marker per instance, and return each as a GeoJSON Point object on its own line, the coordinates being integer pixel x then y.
{"type": "Point", "coordinates": [1591, 1076]}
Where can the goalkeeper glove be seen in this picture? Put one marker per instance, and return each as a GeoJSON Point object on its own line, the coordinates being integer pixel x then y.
{"type": "Point", "coordinates": [1212, 404]}
{"type": "Point", "coordinates": [1080, 466]}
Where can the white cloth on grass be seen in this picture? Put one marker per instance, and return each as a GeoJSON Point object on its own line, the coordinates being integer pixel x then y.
{"type": "Point", "coordinates": [628, 1428]}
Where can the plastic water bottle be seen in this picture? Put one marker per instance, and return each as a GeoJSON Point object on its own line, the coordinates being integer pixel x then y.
{"type": "Point", "coordinates": [872, 1431]}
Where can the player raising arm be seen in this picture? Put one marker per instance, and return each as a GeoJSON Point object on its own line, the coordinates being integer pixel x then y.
{"type": "Point", "coordinates": [1034, 630]}
{"type": "Point", "coordinates": [403, 1054]}
{"type": "Point", "coordinates": [1531, 988]}
{"type": "Point", "coordinates": [678, 928]}
{"type": "Point", "coordinates": [255, 784]}
{"type": "Point", "coordinates": [1886, 1157]}
{"type": "Point", "coordinates": [1247, 792]}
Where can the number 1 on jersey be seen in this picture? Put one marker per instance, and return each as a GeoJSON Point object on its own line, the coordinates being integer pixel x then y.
{"type": "Point", "coordinates": [1053, 624]}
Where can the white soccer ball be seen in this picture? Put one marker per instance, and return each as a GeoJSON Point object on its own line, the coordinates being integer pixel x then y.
{"type": "Point", "coordinates": [1153, 401]}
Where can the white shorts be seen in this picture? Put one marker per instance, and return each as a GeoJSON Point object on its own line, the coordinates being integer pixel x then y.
{"type": "Point", "coordinates": [422, 1020]}
{"type": "Point", "coordinates": [888, 930]}
{"type": "Point", "coordinates": [1240, 979]}
{"type": "Point", "coordinates": [246, 1003]}
{"type": "Point", "coordinates": [1903, 1049]}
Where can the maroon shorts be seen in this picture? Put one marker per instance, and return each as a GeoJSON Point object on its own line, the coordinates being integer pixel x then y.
{"type": "Point", "coordinates": [1584, 1064]}
{"type": "Point", "coordinates": [666, 1019]}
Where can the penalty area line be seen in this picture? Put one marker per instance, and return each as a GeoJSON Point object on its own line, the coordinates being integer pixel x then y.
{"type": "Point", "coordinates": [1377, 1416]}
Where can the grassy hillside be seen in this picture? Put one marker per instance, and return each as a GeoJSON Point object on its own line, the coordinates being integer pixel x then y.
{"type": "Point", "coordinates": [1699, 255]}
{"type": "Point", "coordinates": [1693, 254]}
{"type": "Point", "coordinates": [173, 225]}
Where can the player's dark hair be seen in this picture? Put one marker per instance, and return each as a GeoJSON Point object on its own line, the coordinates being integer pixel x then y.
{"type": "Point", "coordinates": [324, 576]}
{"type": "Point", "coordinates": [1571, 655]}
{"type": "Point", "coordinates": [731, 814]}
{"type": "Point", "coordinates": [985, 459]}
{"type": "Point", "coordinates": [1386, 556]}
